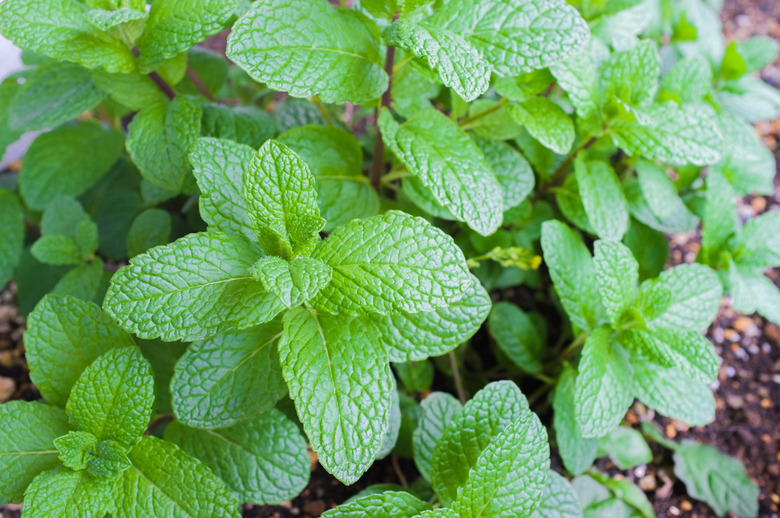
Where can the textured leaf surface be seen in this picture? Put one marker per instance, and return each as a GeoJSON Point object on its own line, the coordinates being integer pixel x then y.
{"type": "Point", "coordinates": [516, 335]}
{"type": "Point", "coordinates": [194, 288]}
{"type": "Point", "coordinates": [695, 296]}
{"type": "Point", "coordinates": [264, 459]}
{"type": "Point", "coordinates": [66, 331]}
{"type": "Point", "coordinates": [690, 351]}
{"type": "Point", "coordinates": [659, 190]}
{"type": "Point", "coordinates": [626, 447]}
{"type": "Point", "coordinates": [67, 161]}
{"type": "Point", "coordinates": [632, 76]}
{"type": "Point", "coordinates": [149, 229]}
{"type": "Point", "coordinates": [577, 452]}
{"type": "Point", "coordinates": [671, 393]}
{"type": "Point", "coordinates": [603, 198]}
{"type": "Point", "coordinates": [576, 75]}
{"type": "Point", "coordinates": [516, 36]}
{"type": "Point", "coordinates": [761, 241]}
{"type": "Point", "coordinates": [339, 378]}
{"type": "Point", "coordinates": [389, 263]}
{"type": "Point", "coordinates": [558, 499]}
{"type": "Point", "coordinates": [114, 397]}
{"type": "Point", "coordinates": [165, 481]}
{"type": "Point", "coordinates": [618, 275]}
{"type": "Point", "coordinates": [136, 91]}
{"type": "Point", "coordinates": [459, 64]}
{"type": "Point", "coordinates": [105, 19]}
{"type": "Point", "coordinates": [27, 444]}
{"type": "Point", "coordinates": [747, 163]}
{"type": "Point", "coordinates": [546, 122]}
{"type": "Point", "coordinates": [175, 26]}
{"type": "Point", "coordinates": [62, 493]}
{"type": "Point", "coordinates": [688, 81]}
{"type": "Point", "coordinates": [309, 48]}
{"type": "Point", "coordinates": [438, 409]}
{"type": "Point", "coordinates": [281, 199]}
{"type": "Point", "coordinates": [389, 504]}
{"type": "Point", "coordinates": [512, 170]}
{"type": "Point", "coordinates": [245, 124]}
{"type": "Point", "coordinates": [233, 376]}
{"type": "Point", "coordinates": [449, 164]}
{"type": "Point", "coordinates": [12, 223]}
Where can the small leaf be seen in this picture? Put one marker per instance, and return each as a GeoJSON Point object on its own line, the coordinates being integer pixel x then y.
{"type": "Point", "coordinates": [632, 76]}
{"type": "Point", "coordinates": [296, 282]}
{"type": "Point", "coordinates": [546, 122]}
{"type": "Point", "coordinates": [511, 168]}
{"type": "Point", "coordinates": [603, 198]}
{"type": "Point", "coordinates": [389, 504]}
{"type": "Point", "coordinates": [671, 393]}
{"type": "Point", "coordinates": [12, 223]}
{"type": "Point", "coordinates": [516, 335]}
{"type": "Point", "coordinates": [720, 222]}
{"type": "Point", "coordinates": [62, 493]}
{"type": "Point", "coordinates": [689, 81]}
{"type": "Point", "coordinates": [618, 275]}
{"type": "Point", "coordinates": [438, 409]}
{"type": "Point", "coordinates": [558, 499]}
{"type": "Point", "coordinates": [243, 124]}
{"type": "Point", "coordinates": [150, 228]}
{"type": "Point", "coordinates": [577, 452]}
{"type": "Point", "coordinates": [760, 245]}
{"type": "Point", "coordinates": [626, 447]}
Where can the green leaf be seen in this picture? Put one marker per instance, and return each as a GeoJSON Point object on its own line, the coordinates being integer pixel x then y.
{"type": "Point", "coordinates": [681, 220]}
{"type": "Point", "coordinates": [150, 228]}
{"type": "Point", "coordinates": [136, 91]}
{"type": "Point", "coordinates": [411, 336]}
{"type": "Point", "coordinates": [215, 384]}
{"type": "Point", "coordinates": [733, 66]}
{"type": "Point", "coordinates": [747, 163]}
{"type": "Point", "coordinates": [604, 388]}
{"type": "Point", "coordinates": [336, 161]}
{"type": "Point", "coordinates": [103, 460]}
{"type": "Point", "coordinates": [492, 410]}
{"type": "Point", "coordinates": [8, 91]}
{"type": "Point", "coordinates": [632, 76]}
{"type": "Point", "coordinates": [56, 249]}
{"type": "Point", "coordinates": [689, 81]}
{"type": "Point", "coordinates": [510, 474]}
{"type": "Point", "coordinates": [675, 135]}
{"type": "Point", "coordinates": [219, 167]}
{"type": "Point", "coordinates": [720, 221]}
{"type": "Point", "coordinates": [245, 124]}
{"type": "Point", "coordinates": [106, 19]}
{"type": "Point", "coordinates": [498, 124]}
{"type": "Point", "coordinates": [626, 447]}
{"type": "Point", "coordinates": [577, 76]}
{"type": "Point", "coordinates": [67, 161]}
{"type": "Point", "coordinates": [671, 393]}
{"type": "Point", "coordinates": [449, 164]}
{"type": "Point", "coordinates": [55, 93]}
{"type": "Point", "coordinates": [753, 292]}
{"type": "Point", "coordinates": [114, 397]}
{"type": "Point", "coordinates": [308, 48]}
{"type": "Point", "coordinates": [389, 504]}
{"type": "Point", "coordinates": [516, 36]}
{"type": "Point", "coordinates": [388, 8]}
{"type": "Point", "coordinates": [338, 376]}
{"type": "Point", "coordinates": [760, 243]}
{"type": "Point", "coordinates": [459, 64]}
{"type": "Point", "coordinates": [718, 479]}
{"type": "Point", "coordinates": [546, 122]}
{"type": "Point", "coordinates": [516, 335]}
{"type": "Point", "coordinates": [438, 409]}
{"type": "Point", "coordinates": [390, 263]}
{"type": "Point", "coordinates": [68, 234]}
{"type": "Point", "coordinates": [603, 198]}
{"type": "Point", "coordinates": [629, 493]}
{"type": "Point", "coordinates": [618, 275]}
{"type": "Point", "coordinates": [296, 282]}
{"type": "Point", "coordinates": [27, 444]}
{"type": "Point", "coordinates": [690, 351]}
{"type": "Point", "coordinates": [659, 190]}
{"type": "Point", "coordinates": [64, 331]}
{"type": "Point", "coordinates": [649, 247]}
{"type": "Point", "coordinates": [12, 223]}
{"type": "Point", "coordinates": [175, 26]}
{"type": "Point", "coordinates": [511, 168]}
{"type": "Point", "coordinates": [86, 282]}
{"type": "Point", "coordinates": [60, 29]}
{"type": "Point", "coordinates": [74, 449]}
{"type": "Point", "coordinates": [415, 376]}
{"type": "Point", "coordinates": [208, 273]}
{"type": "Point", "coordinates": [572, 271]}
{"type": "Point", "coordinates": [758, 52]}
{"type": "Point", "coordinates": [264, 459]}
{"type": "Point", "coordinates": [282, 203]}
{"type": "Point", "coordinates": [159, 139]}
{"type": "Point", "coordinates": [61, 493]}
{"type": "Point", "coordinates": [577, 452]}
{"type": "Point", "coordinates": [165, 481]}
{"type": "Point", "coordinates": [558, 499]}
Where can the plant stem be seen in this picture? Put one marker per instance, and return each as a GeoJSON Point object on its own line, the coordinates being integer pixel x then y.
{"type": "Point", "coordinates": [199, 84]}
{"type": "Point", "coordinates": [468, 120]}
{"type": "Point", "coordinates": [169, 92]}
{"type": "Point", "coordinates": [378, 164]}
{"type": "Point", "coordinates": [398, 472]}
{"type": "Point", "coordinates": [158, 421]}
{"type": "Point", "coordinates": [560, 174]}
{"type": "Point", "coordinates": [462, 395]}
{"type": "Point", "coordinates": [323, 110]}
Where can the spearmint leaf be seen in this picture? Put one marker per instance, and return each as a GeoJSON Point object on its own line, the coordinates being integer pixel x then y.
{"type": "Point", "coordinates": [175, 26]}
{"type": "Point", "coordinates": [8, 91]}
{"type": "Point", "coordinates": [659, 190]}
{"type": "Point", "coordinates": [578, 77]}
{"type": "Point", "coordinates": [516, 335]}
{"type": "Point", "coordinates": [390, 504]}
{"type": "Point", "coordinates": [459, 64]}
{"type": "Point", "coordinates": [27, 444]}
{"type": "Point", "coordinates": [60, 29]}
{"type": "Point", "coordinates": [716, 478]}
{"type": "Point", "coordinates": [497, 125]}
{"type": "Point", "coordinates": [720, 222]}
{"type": "Point", "coordinates": [516, 36]}
{"type": "Point", "coordinates": [264, 459]}
{"type": "Point", "coordinates": [74, 449]}
{"type": "Point", "coordinates": [136, 91]}
{"type": "Point", "coordinates": [747, 163]}
{"type": "Point", "coordinates": [12, 223]}
{"type": "Point", "coordinates": [618, 275]}
{"type": "Point", "coordinates": [438, 409]}
{"type": "Point", "coordinates": [215, 383]}
{"type": "Point", "coordinates": [67, 161]}
{"type": "Point", "coordinates": [336, 161]}
{"type": "Point", "coordinates": [689, 81]}
{"type": "Point", "coordinates": [558, 499]}
{"type": "Point", "coordinates": [577, 452]}
{"type": "Point", "coordinates": [626, 447]}
{"type": "Point", "coordinates": [760, 243]}
{"type": "Point", "coordinates": [649, 247]}
{"type": "Point", "coordinates": [308, 48]}
{"type": "Point", "coordinates": [245, 124]}
{"type": "Point", "coordinates": [512, 170]}
{"type": "Point", "coordinates": [681, 220]}
{"type": "Point", "coordinates": [296, 282]}
{"type": "Point", "coordinates": [114, 396]}
{"type": "Point", "coordinates": [572, 271]}
{"type": "Point", "coordinates": [339, 378]}
{"type": "Point", "coordinates": [165, 481]}
{"type": "Point", "coordinates": [603, 198]}
{"type": "Point", "coordinates": [390, 437]}
{"type": "Point", "coordinates": [219, 167]}
{"type": "Point", "coordinates": [61, 493]}
{"type": "Point", "coordinates": [449, 164]}
{"type": "Point", "coordinates": [56, 249]}
{"type": "Point", "coordinates": [675, 135]}
{"type": "Point", "coordinates": [83, 282]}
{"type": "Point", "coordinates": [68, 234]}
{"type": "Point", "coordinates": [160, 138]}
{"type": "Point", "coordinates": [82, 451]}
{"type": "Point", "coordinates": [150, 228]}
{"type": "Point", "coordinates": [492, 410]}
{"type": "Point", "coordinates": [390, 263]}
{"type": "Point", "coordinates": [282, 203]}
{"type": "Point", "coordinates": [671, 393]}
{"type": "Point", "coordinates": [66, 331]}
{"type": "Point", "coordinates": [415, 376]}
{"type": "Point", "coordinates": [106, 19]}
{"type": "Point", "coordinates": [411, 336]}
{"type": "Point", "coordinates": [208, 273]}
{"type": "Point", "coordinates": [632, 76]}
{"type": "Point", "coordinates": [546, 122]}
{"type": "Point", "coordinates": [510, 473]}
{"type": "Point", "coordinates": [689, 351]}
{"type": "Point", "coordinates": [753, 292]}
{"type": "Point", "coordinates": [388, 8]}
{"type": "Point", "coordinates": [55, 93]}
{"type": "Point", "coordinates": [604, 388]}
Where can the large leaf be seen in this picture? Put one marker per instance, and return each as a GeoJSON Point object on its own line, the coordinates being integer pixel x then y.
{"type": "Point", "coordinates": [546, 122]}
{"type": "Point", "coordinates": [671, 393]}
{"type": "Point", "coordinates": [618, 274]}
{"type": "Point", "coordinates": [62, 493]}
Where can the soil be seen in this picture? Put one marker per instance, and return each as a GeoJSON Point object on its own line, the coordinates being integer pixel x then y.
{"type": "Point", "coordinates": [747, 422]}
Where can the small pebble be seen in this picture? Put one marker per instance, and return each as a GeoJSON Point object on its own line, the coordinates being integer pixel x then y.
{"type": "Point", "coordinates": [7, 388]}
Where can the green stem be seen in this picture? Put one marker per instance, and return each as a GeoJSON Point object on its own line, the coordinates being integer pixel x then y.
{"type": "Point", "coordinates": [462, 395]}
{"type": "Point", "coordinates": [199, 84]}
{"type": "Point", "coordinates": [468, 120]}
{"type": "Point", "coordinates": [378, 163]}
{"type": "Point", "coordinates": [323, 110]}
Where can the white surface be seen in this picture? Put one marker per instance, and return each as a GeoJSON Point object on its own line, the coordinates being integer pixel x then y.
{"type": "Point", "coordinates": [10, 62]}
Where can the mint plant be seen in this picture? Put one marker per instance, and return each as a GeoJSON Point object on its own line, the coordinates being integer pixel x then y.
{"type": "Point", "coordinates": [297, 246]}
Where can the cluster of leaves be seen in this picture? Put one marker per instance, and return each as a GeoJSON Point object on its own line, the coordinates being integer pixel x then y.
{"type": "Point", "coordinates": [251, 273]}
